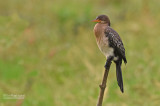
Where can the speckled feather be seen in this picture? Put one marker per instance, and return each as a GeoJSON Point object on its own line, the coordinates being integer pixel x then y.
{"type": "Point", "coordinates": [115, 42]}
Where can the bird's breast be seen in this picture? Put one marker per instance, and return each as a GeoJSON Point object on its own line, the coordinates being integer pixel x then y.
{"type": "Point", "coordinates": [103, 45]}
{"type": "Point", "coordinates": [102, 40]}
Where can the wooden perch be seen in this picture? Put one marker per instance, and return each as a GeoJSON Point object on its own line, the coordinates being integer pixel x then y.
{"type": "Point", "coordinates": [103, 84]}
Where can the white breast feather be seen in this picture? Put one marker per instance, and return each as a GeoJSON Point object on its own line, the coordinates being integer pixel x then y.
{"type": "Point", "coordinates": [104, 46]}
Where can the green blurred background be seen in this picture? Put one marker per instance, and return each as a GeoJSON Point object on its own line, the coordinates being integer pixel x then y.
{"type": "Point", "coordinates": [48, 52]}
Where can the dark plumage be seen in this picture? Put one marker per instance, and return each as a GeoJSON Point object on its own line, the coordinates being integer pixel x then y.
{"type": "Point", "coordinates": [110, 44]}
{"type": "Point", "coordinates": [116, 43]}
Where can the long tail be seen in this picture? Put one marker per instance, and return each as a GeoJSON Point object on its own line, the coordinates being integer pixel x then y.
{"type": "Point", "coordinates": [119, 76]}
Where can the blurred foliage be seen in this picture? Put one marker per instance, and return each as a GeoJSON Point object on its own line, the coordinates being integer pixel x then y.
{"type": "Point", "coordinates": [48, 52]}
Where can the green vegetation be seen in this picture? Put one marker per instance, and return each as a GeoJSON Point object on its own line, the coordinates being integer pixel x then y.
{"type": "Point", "coordinates": [48, 52]}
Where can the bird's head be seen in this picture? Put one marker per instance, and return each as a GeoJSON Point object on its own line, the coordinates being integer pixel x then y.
{"type": "Point", "coordinates": [103, 19]}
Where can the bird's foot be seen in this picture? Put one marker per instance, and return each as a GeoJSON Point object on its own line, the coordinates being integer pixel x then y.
{"type": "Point", "coordinates": [107, 65]}
{"type": "Point", "coordinates": [108, 62]}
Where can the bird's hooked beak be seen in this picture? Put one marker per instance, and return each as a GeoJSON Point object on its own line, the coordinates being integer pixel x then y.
{"type": "Point", "coordinates": [96, 20]}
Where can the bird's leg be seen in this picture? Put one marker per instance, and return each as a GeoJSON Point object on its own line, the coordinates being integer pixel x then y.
{"type": "Point", "coordinates": [108, 62]}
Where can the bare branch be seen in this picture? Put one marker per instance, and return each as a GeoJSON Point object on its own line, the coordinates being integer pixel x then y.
{"type": "Point", "coordinates": [103, 84]}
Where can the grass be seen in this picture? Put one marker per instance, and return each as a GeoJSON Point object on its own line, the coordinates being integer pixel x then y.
{"type": "Point", "coordinates": [48, 52]}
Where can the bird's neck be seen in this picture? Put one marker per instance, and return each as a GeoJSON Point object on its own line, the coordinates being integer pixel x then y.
{"type": "Point", "coordinates": [99, 29]}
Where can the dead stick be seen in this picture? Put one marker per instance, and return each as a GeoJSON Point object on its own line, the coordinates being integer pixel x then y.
{"type": "Point", "coordinates": [103, 85]}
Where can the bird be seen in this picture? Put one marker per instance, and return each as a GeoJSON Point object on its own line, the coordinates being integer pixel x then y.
{"type": "Point", "coordinates": [110, 44]}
